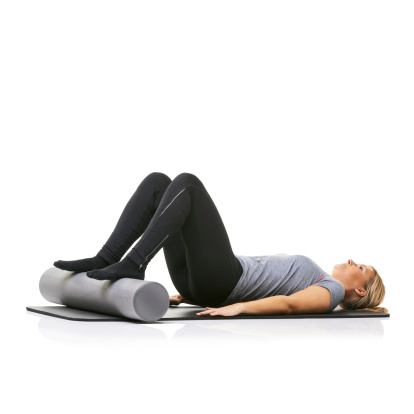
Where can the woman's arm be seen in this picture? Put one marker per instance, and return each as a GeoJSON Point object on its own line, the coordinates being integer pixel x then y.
{"type": "Point", "coordinates": [313, 299]}
{"type": "Point", "coordinates": [267, 306]}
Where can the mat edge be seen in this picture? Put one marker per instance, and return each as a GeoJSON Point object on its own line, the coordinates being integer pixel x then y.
{"type": "Point", "coordinates": [369, 314]}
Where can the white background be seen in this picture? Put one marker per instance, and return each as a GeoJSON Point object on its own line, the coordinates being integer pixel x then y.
{"type": "Point", "coordinates": [298, 118]}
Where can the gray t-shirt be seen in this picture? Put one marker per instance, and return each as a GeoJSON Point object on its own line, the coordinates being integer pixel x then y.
{"type": "Point", "coordinates": [281, 274]}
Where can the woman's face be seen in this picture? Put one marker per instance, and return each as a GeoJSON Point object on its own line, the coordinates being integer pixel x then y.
{"type": "Point", "coordinates": [353, 275]}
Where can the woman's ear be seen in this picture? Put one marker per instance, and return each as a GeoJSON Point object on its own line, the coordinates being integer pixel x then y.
{"type": "Point", "coordinates": [360, 291]}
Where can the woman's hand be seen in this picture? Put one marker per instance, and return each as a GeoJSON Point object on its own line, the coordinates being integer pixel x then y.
{"type": "Point", "coordinates": [230, 310]}
{"type": "Point", "coordinates": [177, 299]}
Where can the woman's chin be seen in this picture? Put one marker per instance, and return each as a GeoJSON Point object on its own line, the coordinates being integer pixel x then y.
{"type": "Point", "coordinates": [336, 270]}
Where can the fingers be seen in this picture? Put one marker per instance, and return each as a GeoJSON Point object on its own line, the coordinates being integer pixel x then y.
{"type": "Point", "coordinates": [208, 311]}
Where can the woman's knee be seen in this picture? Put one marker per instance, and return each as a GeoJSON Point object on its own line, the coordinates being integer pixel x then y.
{"type": "Point", "coordinates": [188, 179]}
{"type": "Point", "coordinates": [157, 177]}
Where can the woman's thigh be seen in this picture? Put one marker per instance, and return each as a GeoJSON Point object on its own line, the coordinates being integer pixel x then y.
{"type": "Point", "coordinates": [210, 270]}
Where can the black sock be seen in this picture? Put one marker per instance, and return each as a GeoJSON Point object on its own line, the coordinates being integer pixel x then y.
{"type": "Point", "coordinates": [125, 268]}
{"type": "Point", "coordinates": [83, 265]}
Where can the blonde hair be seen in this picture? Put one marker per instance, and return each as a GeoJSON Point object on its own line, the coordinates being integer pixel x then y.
{"type": "Point", "coordinates": [375, 295]}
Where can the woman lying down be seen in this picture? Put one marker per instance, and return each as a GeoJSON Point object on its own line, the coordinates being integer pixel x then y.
{"type": "Point", "coordinates": [180, 217]}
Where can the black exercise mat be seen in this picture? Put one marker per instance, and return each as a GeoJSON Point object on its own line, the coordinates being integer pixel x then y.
{"type": "Point", "coordinates": [189, 313]}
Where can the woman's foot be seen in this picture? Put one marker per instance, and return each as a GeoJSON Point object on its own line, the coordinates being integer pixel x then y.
{"type": "Point", "coordinates": [124, 268]}
{"type": "Point", "coordinates": [83, 265]}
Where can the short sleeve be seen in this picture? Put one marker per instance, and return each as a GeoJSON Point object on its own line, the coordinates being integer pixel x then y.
{"type": "Point", "coordinates": [336, 288]}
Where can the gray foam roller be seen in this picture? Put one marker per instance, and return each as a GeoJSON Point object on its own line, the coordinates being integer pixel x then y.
{"type": "Point", "coordinates": [132, 298]}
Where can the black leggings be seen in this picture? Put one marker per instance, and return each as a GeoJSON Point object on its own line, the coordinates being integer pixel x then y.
{"type": "Point", "coordinates": [179, 216]}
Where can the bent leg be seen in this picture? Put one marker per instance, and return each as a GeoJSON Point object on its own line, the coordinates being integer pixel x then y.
{"type": "Point", "coordinates": [136, 216]}
{"type": "Point", "coordinates": [134, 219]}
{"type": "Point", "coordinates": [212, 269]}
